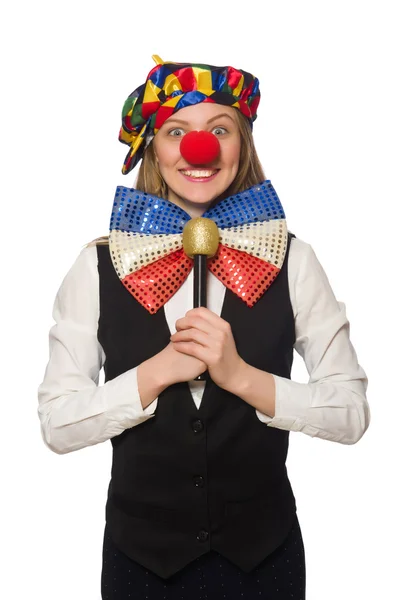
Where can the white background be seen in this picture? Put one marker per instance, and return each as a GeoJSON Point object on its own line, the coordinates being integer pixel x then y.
{"type": "Point", "coordinates": [326, 136]}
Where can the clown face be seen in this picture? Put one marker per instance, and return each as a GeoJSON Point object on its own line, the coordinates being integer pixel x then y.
{"type": "Point", "coordinates": [193, 187]}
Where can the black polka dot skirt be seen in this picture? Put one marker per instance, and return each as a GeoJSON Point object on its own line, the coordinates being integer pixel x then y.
{"type": "Point", "coordinates": [281, 576]}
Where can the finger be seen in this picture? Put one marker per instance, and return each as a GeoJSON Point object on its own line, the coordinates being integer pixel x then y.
{"type": "Point", "coordinates": [194, 322]}
{"type": "Point", "coordinates": [191, 335]}
{"type": "Point", "coordinates": [209, 317]}
{"type": "Point", "coordinates": [203, 319]}
{"type": "Point", "coordinates": [204, 313]}
{"type": "Point", "coordinates": [193, 349]}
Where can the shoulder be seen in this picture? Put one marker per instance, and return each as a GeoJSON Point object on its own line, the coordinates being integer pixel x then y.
{"type": "Point", "coordinates": [87, 260]}
{"type": "Point", "coordinates": [77, 299]}
{"type": "Point", "coordinates": [299, 251]}
{"type": "Point", "coordinates": [302, 263]}
{"type": "Point", "coordinates": [307, 277]}
{"type": "Point", "coordinates": [303, 258]}
{"type": "Point", "coordinates": [83, 272]}
{"type": "Point", "coordinates": [99, 241]}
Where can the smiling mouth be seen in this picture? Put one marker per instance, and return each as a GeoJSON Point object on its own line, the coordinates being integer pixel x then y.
{"type": "Point", "coordinates": [199, 173]}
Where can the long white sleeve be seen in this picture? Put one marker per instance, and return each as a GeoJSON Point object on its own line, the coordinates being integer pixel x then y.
{"type": "Point", "coordinates": [333, 405]}
{"type": "Point", "coordinates": [74, 411]}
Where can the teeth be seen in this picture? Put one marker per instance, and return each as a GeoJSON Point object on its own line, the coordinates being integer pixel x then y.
{"type": "Point", "coordinates": [198, 173]}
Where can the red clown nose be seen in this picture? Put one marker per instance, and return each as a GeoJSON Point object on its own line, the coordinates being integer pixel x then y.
{"type": "Point", "coordinates": [199, 147]}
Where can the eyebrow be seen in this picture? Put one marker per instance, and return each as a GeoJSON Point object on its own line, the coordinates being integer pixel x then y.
{"type": "Point", "coordinates": [209, 120]}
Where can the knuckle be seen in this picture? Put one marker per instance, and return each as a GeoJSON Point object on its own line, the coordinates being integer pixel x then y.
{"type": "Point", "coordinates": [223, 337]}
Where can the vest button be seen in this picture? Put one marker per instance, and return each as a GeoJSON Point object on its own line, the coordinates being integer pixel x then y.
{"type": "Point", "coordinates": [198, 481]}
{"type": "Point", "coordinates": [198, 426]}
{"type": "Point", "coordinates": [202, 536]}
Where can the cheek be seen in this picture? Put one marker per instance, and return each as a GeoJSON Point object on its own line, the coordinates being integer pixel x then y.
{"type": "Point", "coordinates": [160, 154]}
{"type": "Point", "coordinates": [232, 154]}
{"type": "Point", "coordinates": [168, 155]}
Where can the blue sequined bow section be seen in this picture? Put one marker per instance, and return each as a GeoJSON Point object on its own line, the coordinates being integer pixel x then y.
{"type": "Point", "coordinates": [139, 212]}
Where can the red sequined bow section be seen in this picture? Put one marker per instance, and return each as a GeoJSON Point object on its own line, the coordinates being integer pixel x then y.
{"type": "Point", "coordinates": [245, 275]}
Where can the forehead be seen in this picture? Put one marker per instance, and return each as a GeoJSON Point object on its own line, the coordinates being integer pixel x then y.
{"type": "Point", "coordinates": [202, 112]}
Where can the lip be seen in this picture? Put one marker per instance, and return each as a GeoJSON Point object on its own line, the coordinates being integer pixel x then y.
{"type": "Point", "coordinates": [199, 179]}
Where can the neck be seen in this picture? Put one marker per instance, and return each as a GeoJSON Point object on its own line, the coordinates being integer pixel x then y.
{"type": "Point", "coordinates": [192, 208]}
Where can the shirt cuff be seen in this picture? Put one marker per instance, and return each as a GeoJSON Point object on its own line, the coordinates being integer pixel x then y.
{"type": "Point", "coordinates": [292, 402]}
{"type": "Point", "coordinates": [123, 401]}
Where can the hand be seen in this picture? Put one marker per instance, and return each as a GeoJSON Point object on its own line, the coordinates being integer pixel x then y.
{"type": "Point", "coordinates": [177, 367]}
{"type": "Point", "coordinates": [205, 336]}
{"type": "Point", "coordinates": [164, 369]}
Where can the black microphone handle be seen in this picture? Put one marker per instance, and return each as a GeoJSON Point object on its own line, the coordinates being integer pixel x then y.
{"type": "Point", "coordinates": [200, 281]}
{"type": "Point", "coordinates": [200, 292]}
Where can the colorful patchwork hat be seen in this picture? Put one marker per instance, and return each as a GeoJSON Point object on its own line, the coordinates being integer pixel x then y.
{"type": "Point", "coordinates": [172, 86]}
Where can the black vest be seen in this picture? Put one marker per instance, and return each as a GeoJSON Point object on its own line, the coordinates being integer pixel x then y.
{"type": "Point", "coordinates": [187, 481]}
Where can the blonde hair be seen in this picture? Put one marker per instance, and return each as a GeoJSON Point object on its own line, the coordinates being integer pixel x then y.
{"type": "Point", "coordinates": [250, 171]}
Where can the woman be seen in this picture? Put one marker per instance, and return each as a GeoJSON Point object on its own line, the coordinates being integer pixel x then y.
{"type": "Point", "coordinates": [199, 504]}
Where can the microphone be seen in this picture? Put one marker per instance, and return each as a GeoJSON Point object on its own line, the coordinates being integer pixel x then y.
{"type": "Point", "coordinates": [200, 240]}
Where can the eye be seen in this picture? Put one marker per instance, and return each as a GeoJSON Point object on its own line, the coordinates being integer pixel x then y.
{"type": "Point", "coordinates": [176, 132]}
{"type": "Point", "coordinates": [219, 130]}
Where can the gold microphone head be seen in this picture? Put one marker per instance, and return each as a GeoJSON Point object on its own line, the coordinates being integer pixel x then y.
{"type": "Point", "coordinates": [200, 236]}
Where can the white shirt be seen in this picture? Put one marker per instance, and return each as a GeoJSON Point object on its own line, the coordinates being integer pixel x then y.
{"type": "Point", "coordinates": [76, 412]}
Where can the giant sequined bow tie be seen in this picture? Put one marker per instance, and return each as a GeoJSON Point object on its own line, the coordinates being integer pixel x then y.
{"type": "Point", "coordinates": [145, 243]}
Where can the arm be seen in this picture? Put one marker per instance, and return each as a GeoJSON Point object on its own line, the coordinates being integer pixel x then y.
{"type": "Point", "coordinates": [333, 405]}
{"type": "Point", "coordinates": [74, 411]}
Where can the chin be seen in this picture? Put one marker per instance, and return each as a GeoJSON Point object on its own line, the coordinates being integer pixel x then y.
{"type": "Point", "coordinates": [200, 198]}
{"type": "Point", "coordinates": [202, 194]}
